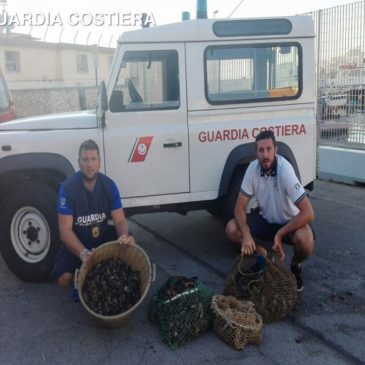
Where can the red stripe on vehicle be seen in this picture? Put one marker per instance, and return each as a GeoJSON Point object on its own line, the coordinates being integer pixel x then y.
{"type": "Point", "coordinates": [141, 148]}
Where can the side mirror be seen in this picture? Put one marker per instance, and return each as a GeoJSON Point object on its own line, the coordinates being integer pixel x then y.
{"type": "Point", "coordinates": [103, 98]}
{"type": "Point", "coordinates": [116, 104]}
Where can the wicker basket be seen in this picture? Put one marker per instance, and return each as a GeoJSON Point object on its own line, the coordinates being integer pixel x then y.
{"type": "Point", "coordinates": [236, 322]}
{"type": "Point", "coordinates": [135, 257]}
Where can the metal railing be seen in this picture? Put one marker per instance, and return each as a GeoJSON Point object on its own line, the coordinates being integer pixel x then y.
{"type": "Point", "coordinates": [341, 75]}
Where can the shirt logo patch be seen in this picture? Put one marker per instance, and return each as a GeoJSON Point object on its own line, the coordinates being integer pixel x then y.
{"type": "Point", "coordinates": [297, 186]}
{"type": "Point", "coordinates": [62, 202]}
{"type": "Point", "coordinates": [140, 149]}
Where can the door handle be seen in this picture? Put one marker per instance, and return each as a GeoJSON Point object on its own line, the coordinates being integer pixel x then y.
{"type": "Point", "coordinates": [172, 145]}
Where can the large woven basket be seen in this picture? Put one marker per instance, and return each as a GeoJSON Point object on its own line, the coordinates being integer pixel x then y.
{"type": "Point", "coordinates": [132, 255]}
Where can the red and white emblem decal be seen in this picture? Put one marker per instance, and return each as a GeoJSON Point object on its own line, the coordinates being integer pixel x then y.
{"type": "Point", "coordinates": [140, 149]}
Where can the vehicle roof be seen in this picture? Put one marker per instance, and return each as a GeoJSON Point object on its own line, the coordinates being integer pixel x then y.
{"type": "Point", "coordinates": [202, 30]}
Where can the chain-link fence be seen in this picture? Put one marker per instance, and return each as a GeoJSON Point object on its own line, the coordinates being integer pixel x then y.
{"type": "Point", "coordinates": [341, 75]}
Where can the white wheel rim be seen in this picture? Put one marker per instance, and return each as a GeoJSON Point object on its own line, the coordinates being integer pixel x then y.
{"type": "Point", "coordinates": [30, 234]}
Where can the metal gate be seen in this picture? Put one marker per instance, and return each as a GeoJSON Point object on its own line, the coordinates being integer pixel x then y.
{"type": "Point", "coordinates": [341, 75]}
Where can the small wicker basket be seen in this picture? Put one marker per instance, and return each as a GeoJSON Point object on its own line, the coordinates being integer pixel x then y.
{"type": "Point", "coordinates": [236, 322]}
{"type": "Point", "coordinates": [132, 255]}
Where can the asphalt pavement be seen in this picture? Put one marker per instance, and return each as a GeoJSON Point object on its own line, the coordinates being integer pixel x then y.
{"type": "Point", "coordinates": [39, 323]}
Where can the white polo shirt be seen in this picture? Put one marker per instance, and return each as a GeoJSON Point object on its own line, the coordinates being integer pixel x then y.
{"type": "Point", "coordinates": [277, 194]}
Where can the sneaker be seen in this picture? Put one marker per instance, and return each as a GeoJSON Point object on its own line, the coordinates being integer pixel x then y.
{"type": "Point", "coordinates": [296, 269]}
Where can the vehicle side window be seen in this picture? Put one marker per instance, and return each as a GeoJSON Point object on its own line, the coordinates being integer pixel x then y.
{"type": "Point", "coordinates": [147, 80]}
{"type": "Point", "coordinates": [252, 73]}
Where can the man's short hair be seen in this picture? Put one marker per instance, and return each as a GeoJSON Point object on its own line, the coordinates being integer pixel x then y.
{"type": "Point", "coordinates": [265, 135]}
{"type": "Point", "coordinates": [88, 145]}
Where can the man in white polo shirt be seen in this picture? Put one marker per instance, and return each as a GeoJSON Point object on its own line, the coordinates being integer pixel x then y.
{"type": "Point", "coordinates": [285, 210]}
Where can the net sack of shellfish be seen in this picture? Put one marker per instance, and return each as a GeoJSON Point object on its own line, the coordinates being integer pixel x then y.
{"type": "Point", "coordinates": [236, 322]}
{"type": "Point", "coordinates": [246, 277]}
{"type": "Point", "coordinates": [273, 291]}
{"type": "Point", "coordinates": [181, 309]}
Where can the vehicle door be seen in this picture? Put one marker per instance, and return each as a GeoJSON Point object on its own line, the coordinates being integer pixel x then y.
{"type": "Point", "coordinates": [146, 133]}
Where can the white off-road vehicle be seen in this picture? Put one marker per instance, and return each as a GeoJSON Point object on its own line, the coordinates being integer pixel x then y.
{"type": "Point", "coordinates": [176, 125]}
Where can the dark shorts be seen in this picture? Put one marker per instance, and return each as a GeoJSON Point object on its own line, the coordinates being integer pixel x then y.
{"type": "Point", "coordinates": [262, 230]}
{"type": "Point", "coordinates": [67, 262]}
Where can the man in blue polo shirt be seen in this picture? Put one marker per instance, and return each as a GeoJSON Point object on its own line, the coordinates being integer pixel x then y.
{"type": "Point", "coordinates": [285, 210]}
{"type": "Point", "coordinates": [87, 200]}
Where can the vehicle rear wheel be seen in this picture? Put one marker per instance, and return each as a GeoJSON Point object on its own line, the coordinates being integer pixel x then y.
{"type": "Point", "coordinates": [29, 231]}
{"type": "Point", "coordinates": [232, 195]}
{"type": "Point", "coordinates": [215, 208]}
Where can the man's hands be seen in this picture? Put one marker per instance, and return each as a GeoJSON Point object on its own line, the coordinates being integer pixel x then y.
{"type": "Point", "coordinates": [278, 246]}
{"type": "Point", "coordinates": [85, 254]}
{"type": "Point", "coordinates": [126, 240]}
{"type": "Point", "coordinates": [248, 246]}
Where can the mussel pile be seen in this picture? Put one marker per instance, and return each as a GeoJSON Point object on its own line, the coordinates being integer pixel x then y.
{"type": "Point", "coordinates": [111, 287]}
{"type": "Point", "coordinates": [241, 312]}
{"type": "Point", "coordinates": [176, 285]}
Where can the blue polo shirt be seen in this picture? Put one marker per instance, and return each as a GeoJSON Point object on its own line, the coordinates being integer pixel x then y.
{"type": "Point", "coordinates": [89, 209]}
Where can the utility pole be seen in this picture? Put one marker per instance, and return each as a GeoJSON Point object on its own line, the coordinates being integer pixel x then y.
{"type": "Point", "coordinates": [5, 27]}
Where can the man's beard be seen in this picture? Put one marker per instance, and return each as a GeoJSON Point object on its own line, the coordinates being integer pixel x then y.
{"type": "Point", "coordinates": [89, 178]}
{"type": "Point", "coordinates": [266, 169]}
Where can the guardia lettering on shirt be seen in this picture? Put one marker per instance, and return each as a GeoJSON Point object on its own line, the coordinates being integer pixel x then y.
{"type": "Point", "coordinates": [90, 219]}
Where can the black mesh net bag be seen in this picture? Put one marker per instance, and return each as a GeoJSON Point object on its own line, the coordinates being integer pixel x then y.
{"type": "Point", "coordinates": [246, 277]}
{"type": "Point", "coordinates": [266, 282]}
{"type": "Point", "coordinates": [181, 309]}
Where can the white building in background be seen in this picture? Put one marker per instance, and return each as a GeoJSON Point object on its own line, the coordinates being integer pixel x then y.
{"type": "Point", "coordinates": [52, 77]}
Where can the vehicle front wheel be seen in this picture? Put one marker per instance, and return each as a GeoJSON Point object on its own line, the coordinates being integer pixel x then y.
{"type": "Point", "coordinates": [29, 231]}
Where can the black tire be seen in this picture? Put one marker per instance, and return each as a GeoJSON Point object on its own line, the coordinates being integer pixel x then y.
{"type": "Point", "coordinates": [29, 231]}
{"type": "Point", "coordinates": [232, 195]}
{"type": "Point", "coordinates": [215, 208]}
